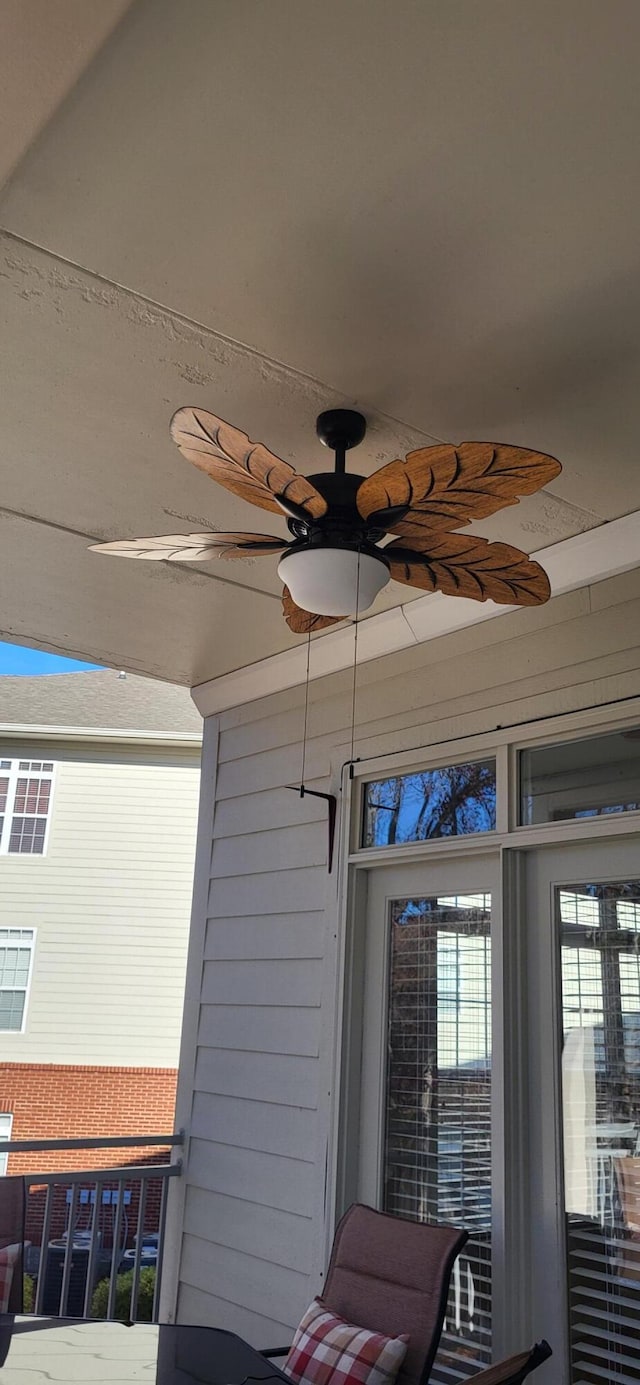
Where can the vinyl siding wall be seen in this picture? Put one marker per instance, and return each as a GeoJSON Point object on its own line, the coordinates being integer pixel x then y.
{"type": "Point", "coordinates": [258, 1049]}
{"type": "Point", "coordinates": [110, 902]}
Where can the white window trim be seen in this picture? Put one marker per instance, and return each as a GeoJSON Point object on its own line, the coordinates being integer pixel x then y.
{"type": "Point", "coordinates": [13, 774]}
{"type": "Point", "coordinates": [5, 1135]}
{"type": "Point", "coordinates": [505, 745]}
{"type": "Point", "coordinates": [27, 990]}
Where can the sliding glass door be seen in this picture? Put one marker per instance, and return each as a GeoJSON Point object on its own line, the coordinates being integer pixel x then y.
{"type": "Point", "coordinates": [425, 1122]}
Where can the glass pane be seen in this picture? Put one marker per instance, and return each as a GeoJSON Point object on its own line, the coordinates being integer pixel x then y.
{"type": "Point", "coordinates": [14, 966]}
{"type": "Point", "coordinates": [599, 928]}
{"type": "Point", "coordinates": [437, 1156]}
{"type": "Point", "coordinates": [27, 836]}
{"type": "Point", "coordinates": [15, 935]}
{"type": "Point", "coordinates": [11, 1009]}
{"type": "Point", "coordinates": [581, 779]}
{"type": "Point", "coordinates": [447, 802]}
{"type": "Point", "coordinates": [32, 795]}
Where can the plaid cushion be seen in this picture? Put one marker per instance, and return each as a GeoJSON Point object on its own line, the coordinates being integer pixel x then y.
{"type": "Point", "coordinates": [8, 1257]}
{"type": "Point", "coordinates": [328, 1349]}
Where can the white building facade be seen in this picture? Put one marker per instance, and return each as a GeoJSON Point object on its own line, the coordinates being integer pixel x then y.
{"type": "Point", "coordinates": [99, 782]}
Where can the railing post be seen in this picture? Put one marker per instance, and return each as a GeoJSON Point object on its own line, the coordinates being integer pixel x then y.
{"type": "Point", "coordinates": [42, 1267]}
{"type": "Point", "coordinates": [115, 1252]}
{"type": "Point", "coordinates": [133, 1306]}
{"type": "Point", "coordinates": [161, 1229]}
{"type": "Point", "coordinates": [68, 1254]}
{"type": "Point", "coordinates": [93, 1249]}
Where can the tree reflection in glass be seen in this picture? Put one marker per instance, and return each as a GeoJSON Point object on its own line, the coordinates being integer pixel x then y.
{"type": "Point", "coordinates": [448, 802]}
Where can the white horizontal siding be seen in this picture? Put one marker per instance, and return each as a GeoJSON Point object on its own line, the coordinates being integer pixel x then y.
{"type": "Point", "coordinates": [198, 1307]}
{"type": "Point", "coordinates": [286, 982]}
{"type": "Point", "coordinates": [264, 812]}
{"type": "Point", "coordinates": [257, 1087]}
{"type": "Point", "coordinates": [261, 1028]}
{"type": "Point", "coordinates": [249, 1227]}
{"type": "Point", "coordinates": [290, 845]}
{"type": "Point", "coordinates": [272, 1180]}
{"type": "Point", "coordinates": [269, 938]}
{"type": "Point", "coordinates": [284, 1079]}
{"type": "Point", "coordinates": [260, 1125]}
{"type": "Point", "coordinates": [263, 1287]}
{"type": "Point", "coordinates": [271, 892]}
{"type": "Point", "coordinates": [110, 901]}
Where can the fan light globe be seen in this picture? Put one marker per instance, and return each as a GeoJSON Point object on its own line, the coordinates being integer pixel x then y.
{"type": "Point", "coordinates": [326, 581]}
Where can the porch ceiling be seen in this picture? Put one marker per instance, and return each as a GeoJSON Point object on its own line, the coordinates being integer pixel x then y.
{"type": "Point", "coordinates": [429, 211]}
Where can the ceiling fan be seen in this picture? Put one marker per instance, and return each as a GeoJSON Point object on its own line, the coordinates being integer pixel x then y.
{"type": "Point", "coordinates": [333, 565]}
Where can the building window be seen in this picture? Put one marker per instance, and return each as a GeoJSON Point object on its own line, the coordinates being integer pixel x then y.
{"type": "Point", "coordinates": [6, 1121]}
{"type": "Point", "coordinates": [16, 953]}
{"type": "Point", "coordinates": [25, 802]}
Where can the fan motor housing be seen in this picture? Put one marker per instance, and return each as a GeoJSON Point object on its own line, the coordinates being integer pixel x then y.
{"type": "Point", "coordinates": [339, 489]}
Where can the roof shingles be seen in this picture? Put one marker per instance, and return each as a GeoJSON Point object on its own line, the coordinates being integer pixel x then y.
{"type": "Point", "coordinates": [99, 699]}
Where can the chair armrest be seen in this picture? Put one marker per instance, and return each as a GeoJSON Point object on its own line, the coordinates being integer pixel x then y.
{"type": "Point", "coordinates": [514, 1370]}
{"type": "Point", "coordinates": [275, 1351]}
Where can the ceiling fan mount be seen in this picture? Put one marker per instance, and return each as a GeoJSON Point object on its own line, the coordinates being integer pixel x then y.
{"type": "Point", "coordinates": [341, 429]}
{"type": "Point", "coordinates": [333, 565]}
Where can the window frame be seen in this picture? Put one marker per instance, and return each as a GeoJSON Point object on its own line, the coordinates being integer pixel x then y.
{"type": "Point", "coordinates": [505, 744]}
{"type": "Point", "coordinates": [16, 928]}
{"type": "Point", "coordinates": [13, 774]}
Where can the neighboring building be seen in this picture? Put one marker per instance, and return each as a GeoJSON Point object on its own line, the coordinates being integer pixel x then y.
{"type": "Point", "coordinates": [99, 781]}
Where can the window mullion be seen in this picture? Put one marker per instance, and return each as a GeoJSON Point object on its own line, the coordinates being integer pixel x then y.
{"type": "Point", "coordinates": [8, 816]}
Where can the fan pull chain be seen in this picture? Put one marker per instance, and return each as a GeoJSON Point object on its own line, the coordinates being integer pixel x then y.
{"type": "Point", "coordinates": [355, 667]}
{"type": "Point", "coordinates": [306, 716]}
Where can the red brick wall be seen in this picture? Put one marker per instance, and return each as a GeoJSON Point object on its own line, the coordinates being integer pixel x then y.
{"type": "Point", "coordinates": [51, 1101]}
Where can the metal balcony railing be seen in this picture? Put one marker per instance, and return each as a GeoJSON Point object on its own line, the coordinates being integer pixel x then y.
{"type": "Point", "coordinates": [86, 1227]}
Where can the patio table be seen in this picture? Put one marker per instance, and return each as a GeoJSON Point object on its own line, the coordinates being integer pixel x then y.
{"type": "Point", "coordinates": [72, 1352]}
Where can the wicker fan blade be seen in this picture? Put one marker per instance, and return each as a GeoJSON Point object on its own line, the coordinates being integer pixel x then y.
{"type": "Point", "coordinates": [244, 467]}
{"type": "Point", "coordinates": [444, 487]}
{"type": "Point", "coordinates": [193, 548]}
{"type": "Point", "coordinates": [304, 622]}
{"type": "Point", "coordinates": [463, 565]}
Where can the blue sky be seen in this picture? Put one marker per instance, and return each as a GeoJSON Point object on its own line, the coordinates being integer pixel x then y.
{"type": "Point", "coordinates": [16, 658]}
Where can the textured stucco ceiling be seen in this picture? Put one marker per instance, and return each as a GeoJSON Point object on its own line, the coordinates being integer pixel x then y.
{"type": "Point", "coordinates": [430, 211]}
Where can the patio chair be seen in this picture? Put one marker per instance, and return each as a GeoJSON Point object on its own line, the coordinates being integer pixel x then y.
{"type": "Point", "coordinates": [392, 1276]}
{"type": "Point", "coordinates": [12, 1244]}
